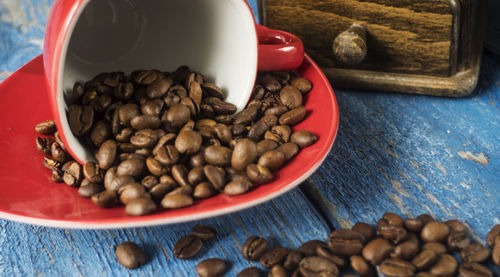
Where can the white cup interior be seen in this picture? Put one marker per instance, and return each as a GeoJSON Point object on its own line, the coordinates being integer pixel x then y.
{"type": "Point", "coordinates": [214, 37]}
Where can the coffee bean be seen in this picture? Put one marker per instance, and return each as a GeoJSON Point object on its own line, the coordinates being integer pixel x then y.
{"type": "Point", "coordinates": [58, 153]}
{"type": "Point", "coordinates": [425, 259]}
{"type": "Point", "coordinates": [393, 219]}
{"type": "Point", "coordinates": [269, 83]}
{"type": "Point", "coordinates": [211, 268]}
{"type": "Point", "coordinates": [127, 112]}
{"type": "Point", "coordinates": [364, 229]}
{"type": "Point", "coordinates": [107, 154]}
{"type": "Point", "coordinates": [133, 167]}
{"type": "Point", "coordinates": [160, 190]}
{"type": "Point", "coordinates": [425, 274]}
{"type": "Point", "coordinates": [178, 115]}
{"type": "Point", "coordinates": [221, 107]}
{"type": "Point", "coordinates": [495, 253]}
{"type": "Point", "coordinates": [394, 232]}
{"type": "Point", "coordinates": [187, 246]}
{"type": "Point", "coordinates": [377, 250]}
{"type": "Point", "coordinates": [277, 110]}
{"type": "Point", "coordinates": [413, 225]}
{"type": "Point", "coordinates": [124, 135]}
{"type": "Point", "coordinates": [425, 218]}
{"type": "Point", "coordinates": [179, 173]}
{"type": "Point", "coordinates": [130, 192]}
{"type": "Point", "coordinates": [47, 127]}
{"type": "Point", "coordinates": [188, 142]}
{"type": "Point", "coordinates": [493, 236]}
{"type": "Point", "coordinates": [72, 173]}
{"type": "Point", "coordinates": [118, 182]}
{"type": "Point", "coordinates": [301, 84]}
{"type": "Point", "coordinates": [475, 253]}
{"type": "Point", "coordinates": [345, 242]}
{"type": "Point", "coordinates": [140, 206]}
{"type": "Point", "coordinates": [437, 247]}
{"type": "Point", "coordinates": [212, 90]}
{"type": "Point", "coordinates": [250, 272]}
{"type": "Point", "coordinates": [243, 154]}
{"type": "Point", "coordinates": [44, 145]}
{"type": "Point", "coordinates": [216, 176]}
{"type": "Point", "coordinates": [292, 260]}
{"type": "Point", "coordinates": [196, 176]}
{"type": "Point", "coordinates": [397, 268]}
{"type": "Point", "coordinates": [435, 232]}
{"type": "Point", "coordinates": [237, 187]}
{"type": "Point", "coordinates": [317, 266]}
{"type": "Point", "coordinates": [253, 248]}
{"type": "Point", "coordinates": [308, 248]}
{"type": "Point", "coordinates": [457, 240]}
{"type": "Point", "coordinates": [279, 133]}
{"type": "Point", "coordinates": [204, 232]}
{"type": "Point", "coordinates": [175, 201]}
{"type": "Point", "coordinates": [93, 172]}
{"type": "Point", "coordinates": [159, 87]}
{"type": "Point", "coordinates": [186, 190]}
{"type": "Point", "coordinates": [278, 271]}
{"type": "Point", "coordinates": [100, 133]}
{"type": "Point", "coordinates": [324, 252]}
{"type": "Point", "coordinates": [273, 257]}
{"type": "Point", "coordinates": [130, 255]}
{"type": "Point", "coordinates": [455, 225]}
{"type": "Point", "coordinates": [124, 91]}
{"type": "Point", "coordinates": [259, 174]}
{"type": "Point", "coordinates": [80, 119]}
{"type": "Point", "coordinates": [145, 77]}
{"type": "Point", "coordinates": [90, 189]}
{"type": "Point", "coordinates": [474, 270]}
{"type": "Point", "coordinates": [143, 141]}
{"type": "Point", "coordinates": [291, 97]}
{"type": "Point", "coordinates": [294, 116]}
{"type": "Point", "coordinates": [105, 199]}
{"type": "Point", "coordinates": [217, 155]}
{"type": "Point", "coordinates": [266, 145]}
{"type": "Point", "coordinates": [223, 132]}
{"type": "Point", "coordinates": [363, 268]}
{"type": "Point", "coordinates": [445, 266]}
{"type": "Point", "coordinates": [204, 190]}
{"type": "Point", "coordinates": [246, 116]}
{"type": "Point", "coordinates": [145, 122]}
{"type": "Point", "coordinates": [405, 250]}
{"type": "Point", "coordinates": [273, 160]}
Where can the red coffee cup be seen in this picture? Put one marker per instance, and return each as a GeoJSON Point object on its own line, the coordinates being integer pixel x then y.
{"type": "Point", "coordinates": [217, 38]}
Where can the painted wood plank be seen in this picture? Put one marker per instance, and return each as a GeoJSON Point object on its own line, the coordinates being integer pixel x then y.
{"type": "Point", "coordinates": [28, 250]}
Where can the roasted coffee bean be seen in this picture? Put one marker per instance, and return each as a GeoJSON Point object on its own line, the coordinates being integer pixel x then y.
{"type": "Point", "coordinates": [224, 119]}
{"type": "Point", "coordinates": [475, 253]}
{"type": "Point", "coordinates": [273, 160]}
{"type": "Point", "coordinates": [437, 247]}
{"type": "Point", "coordinates": [100, 133]}
{"type": "Point", "coordinates": [364, 229]}
{"type": "Point", "coordinates": [159, 87]}
{"type": "Point", "coordinates": [493, 236]}
{"type": "Point", "coordinates": [250, 272]}
{"type": "Point", "coordinates": [118, 182]}
{"type": "Point", "coordinates": [217, 155]}
{"type": "Point", "coordinates": [292, 260]}
{"type": "Point", "coordinates": [455, 225]}
{"type": "Point", "coordinates": [435, 232]}
{"type": "Point", "coordinates": [425, 259]}
{"type": "Point", "coordinates": [90, 189]}
{"type": "Point", "coordinates": [127, 112]}
{"type": "Point", "coordinates": [253, 248]}
{"type": "Point", "coordinates": [397, 268]}
{"type": "Point", "coordinates": [188, 142]}
{"type": "Point", "coordinates": [160, 190]}
{"type": "Point", "coordinates": [105, 199]}
{"type": "Point", "coordinates": [167, 155]}
{"type": "Point", "coordinates": [266, 145]}
{"type": "Point", "coordinates": [107, 154]}
{"type": "Point", "coordinates": [101, 103]}
{"type": "Point", "coordinates": [289, 149]}
{"type": "Point", "coordinates": [93, 172]}
{"type": "Point", "coordinates": [109, 176]}
{"type": "Point", "coordinates": [216, 176]}
{"type": "Point", "coordinates": [188, 246]}
{"type": "Point", "coordinates": [377, 250]}
{"type": "Point", "coordinates": [134, 167]}
{"type": "Point", "coordinates": [196, 176]}
{"type": "Point", "coordinates": [124, 91]}
{"type": "Point", "coordinates": [259, 174]}
{"type": "Point", "coordinates": [127, 148]}
{"type": "Point", "coordinates": [130, 192]}
{"type": "Point", "coordinates": [425, 274]}
{"type": "Point", "coordinates": [175, 201]}
{"type": "Point", "coordinates": [294, 116]}
{"type": "Point", "coordinates": [363, 268]}
{"type": "Point", "coordinates": [72, 173]}
{"type": "Point", "coordinates": [345, 242]}
{"type": "Point", "coordinates": [425, 218]}
{"type": "Point", "coordinates": [211, 268]}
{"type": "Point", "coordinates": [273, 257]}
{"type": "Point", "coordinates": [291, 97]}
{"type": "Point", "coordinates": [279, 133]}
{"type": "Point", "coordinates": [278, 271]}
{"type": "Point", "coordinates": [237, 187]}
{"type": "Point", "coordinates": [124, 135]}
{"type": "Point", "coordinates": [219, 106]}
{"type": "Point", "coordinates": [303, 138]}
{"type": "Point", "coordinates": [277, 110]}
{"type": "Point", "coordinates": [143, 141]}
{"type": "Point", "coordinates": [155, 167]}
{"type": "Point", "coordinates": [47, 127]}
{"type": "Point", "coordinates": [457, 240]}
{"type": "Point", "coordinates": [178, 115]}
{"type": "Point", "coordinates": [301, 84]}
{"type": "Point", "coordinates": [80, 119]}
{"type": "Point", "coordinates": [51, 163]}
{"type": "Point", "coordinates": [308, 248]}
{"type": "Point", "coordinates": [152, 107]}
{"type": "Point", "coordinates": [269, 83]}
{"type": "Point", "coordinates": [317, 266]}
{"type": "Point", "coordinates": [246, 116]}
{"type": "Point", "coordinates": [445, 266]}
{"type": "Point", "coordinates": [405, 250]}
{"type": "Point", "coordinates": [324, 252]}
{"type": "Point", "coordinates": [495, 253]}
{"type": "Point", "coordinates": [393, 232]}
{"type": "Point", "coordinates": [163, 141]}
{"type": "Point", "coordinates": [244, 153]}
{"type": "Point", "coordinates": [212, 90]}
{"type": "Point", "coordinates": [204, 190]}
{"type": "Point", "coordinates": [204, 232]}
{"type": "Point", "coordinates": [179, 173]}
{"type": "Point", "coordinates": [58, 153]}
{"type": "Point", "coordinates": [413, 225]}
{"type": "Point", "coordinates": [172, 98]}
{"type": "Point", "coordinates": [145, 122]}
{"type": "Point", "coordinates": [238, 130]}
{"type": "Point", "coordinates": [140, 206]}
{"type": "Point", "coordinates": [130, 255]}
{"type": "Point", "coordinates": [223, 132]}
{"type": "Point", "coordinates": [195, 92]}
{"type": "Point", "coordinates": [44, 145]}
{"type": "Point", "coordinates": [474, 270]}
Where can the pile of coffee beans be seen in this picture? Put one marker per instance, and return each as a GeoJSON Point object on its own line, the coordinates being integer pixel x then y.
{"type": "Point", "coordinates": [168, 139]}
{"type": "Point", "coordinates": [419, 246]}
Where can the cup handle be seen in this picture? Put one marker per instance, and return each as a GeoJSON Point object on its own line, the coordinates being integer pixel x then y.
{"type": "Point", "coordinates": [278, 50]}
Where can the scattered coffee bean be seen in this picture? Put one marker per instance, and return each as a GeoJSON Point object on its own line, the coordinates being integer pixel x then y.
{"type": "Point", "coordinates": [318, 266]}
{"type": "Point", "coordinates": [253, 248]}
{"type": "Point", "coordinates": [425, 259]}
{"type": "Point", "coordinates": [364, 229]}
{"type": "Point", "coordinates": [211, 268]}
{"type": "Point", "coordinates": [475, 253]}
{"type": "Point", "coordinates": [250, 272]}
{"type": "Point", "coordinates": [361, 266]}
{"type": "Point", "coordinates": [278, 271]}
{"type": "Point", "coordinates": [273, 257]}
{"type": "Point", "coordinates": [397, 268]}
{"type": "Point", "coordinates": [188, 246]}
{"type": "Point", "coordinates": [346, 242]}
{"type": "Point", "coordinates": [377, 250]}
{"type": "Point", "coordinates": [130, 255]}
{"type": "Point", "coordinates": [47, 127]}
{"type": "Point", "coordinates": [204, 232]}
{"type": "Point", "coordinates": [445, 266]}
{"type": "Point", "coordinates": [495, 253]}
{"type": "Point", "coordinates": [437, 247]}
{"type": "Point", "coordinates": [493, 236]}
{"type": "Point", "coordinates": [308, 248]}
{"type": "Point", "coordinates": [474, 270]}
{"type": "Point", "coordinates": [435, 232]}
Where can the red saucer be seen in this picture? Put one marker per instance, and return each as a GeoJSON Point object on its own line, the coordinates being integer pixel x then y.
{"type": "Point", "coordinates": [28, 195]}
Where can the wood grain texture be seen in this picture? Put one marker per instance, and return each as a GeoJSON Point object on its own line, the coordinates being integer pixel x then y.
{"type": "Point", "coordinates": [403, 36]}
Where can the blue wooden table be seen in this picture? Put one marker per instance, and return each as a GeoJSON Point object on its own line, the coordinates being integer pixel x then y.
{"type": "Point", "coordinates": [401, 153]}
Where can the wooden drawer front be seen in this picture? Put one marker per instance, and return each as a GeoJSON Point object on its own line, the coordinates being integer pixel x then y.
{"type": "Point", "coordinates": [404, 36]}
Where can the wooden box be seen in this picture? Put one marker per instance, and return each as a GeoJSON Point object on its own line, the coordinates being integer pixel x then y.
{"type": "Point", "coordinates": [429, 47]}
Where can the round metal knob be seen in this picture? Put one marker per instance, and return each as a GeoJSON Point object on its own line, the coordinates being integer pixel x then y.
{"type": "Point", "coordinates": [350, 46]}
